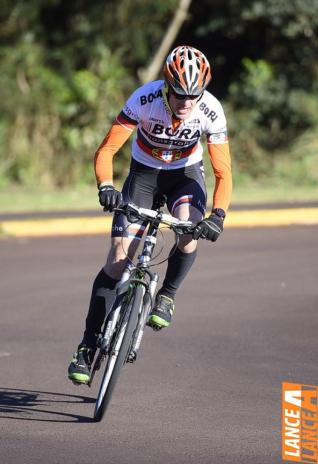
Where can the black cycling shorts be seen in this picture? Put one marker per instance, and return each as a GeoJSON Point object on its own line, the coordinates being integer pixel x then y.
{"type": "Point", "coordinates": [144, 184]}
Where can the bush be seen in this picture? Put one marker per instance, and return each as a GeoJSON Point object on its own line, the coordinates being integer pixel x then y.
{"type": "Point", "coordinates": [266, 117]}
{"type": "Point", "coordinates": [55, 119]}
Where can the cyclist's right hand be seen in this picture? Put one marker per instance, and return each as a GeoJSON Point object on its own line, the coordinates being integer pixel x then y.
{"type": "Point", "coordinates": [109, 197]}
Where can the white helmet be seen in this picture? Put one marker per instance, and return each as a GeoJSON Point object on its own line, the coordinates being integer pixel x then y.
{"type": "Point", "coordinates": [187, 71]}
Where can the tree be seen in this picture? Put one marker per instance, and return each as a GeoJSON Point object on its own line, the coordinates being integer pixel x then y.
{"type": "Point", "coordinates": [180, 16]}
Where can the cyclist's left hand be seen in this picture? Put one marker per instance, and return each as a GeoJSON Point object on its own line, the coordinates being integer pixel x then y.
{"type": "Point", "coordinates": [210, 228]}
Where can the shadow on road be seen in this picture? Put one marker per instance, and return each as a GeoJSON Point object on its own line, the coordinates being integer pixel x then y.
{"type": "Point", "coordinates": [31, 405]}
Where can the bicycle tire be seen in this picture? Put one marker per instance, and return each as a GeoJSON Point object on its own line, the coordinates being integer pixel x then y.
{"type": "Point", "coordinates": [116, 362]}
{"type": "Point", "coordinates": [99, 360]}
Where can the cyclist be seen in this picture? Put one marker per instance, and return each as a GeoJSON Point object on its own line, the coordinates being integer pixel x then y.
{"type": "Point", "coordinates": [170, 115]}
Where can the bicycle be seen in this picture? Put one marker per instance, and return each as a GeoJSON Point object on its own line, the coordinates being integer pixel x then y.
{"type": "Point", "coordinates": [124, 326]}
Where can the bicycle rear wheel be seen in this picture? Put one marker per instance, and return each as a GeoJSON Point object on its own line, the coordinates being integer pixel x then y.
{"type": "Point", "coordinates": [118, 352]}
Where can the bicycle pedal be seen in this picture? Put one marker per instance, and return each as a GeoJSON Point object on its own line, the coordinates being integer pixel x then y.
{"type": "Point", "coordinates": [78, 384]}
{"type": "Point", "coordinates": [154, 327]}
{"type": "Point", "coordinates": [97, 365]}
{"type": "Point", "coordinates": [132, 357]}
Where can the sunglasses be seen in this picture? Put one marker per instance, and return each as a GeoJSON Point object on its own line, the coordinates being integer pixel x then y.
{"type": "Point", "coordinates": [178, 96]}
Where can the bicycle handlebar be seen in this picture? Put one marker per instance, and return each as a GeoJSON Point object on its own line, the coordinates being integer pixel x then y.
{"type": "Point", "coordinates": [177, 225]}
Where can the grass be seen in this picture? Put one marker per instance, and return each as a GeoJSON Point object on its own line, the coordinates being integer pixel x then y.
{"type": "Point", "coordinates": [273, 193]}
{"type": "Point", "coordinates": [15, 199]}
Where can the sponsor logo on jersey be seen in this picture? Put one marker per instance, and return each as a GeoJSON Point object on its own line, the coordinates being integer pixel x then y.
{"type": "Point", "coordinates": [156, 120]}
{"type": "Point", "coordinates": [166, 155]}
{"type": "Point", "coordinates": [144, 99]}
{"type": "Point", "coordinates": [208, 113]}
{"type": "Point", "coordinates": [128, 112]}
{"type": "Point", "coordinates": [176, 143]}
{"type": "Point", "coordinates": [117, 228]}
{"type": "Point", "coordinates": [159, 129]}
{"type": "Point", "coordinates": [220, 137]}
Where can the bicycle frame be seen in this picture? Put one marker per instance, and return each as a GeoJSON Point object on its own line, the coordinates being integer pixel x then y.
{"type": "Point", "coordinates": [137, 274]}
{"type": "Point", "coordinates": [134, 274]}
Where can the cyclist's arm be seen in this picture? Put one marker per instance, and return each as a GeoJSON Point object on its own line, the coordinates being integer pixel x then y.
{"type": "Point", "coordinates": [221, 163]}
{"type": "Point", "coordinates": [118, 134]}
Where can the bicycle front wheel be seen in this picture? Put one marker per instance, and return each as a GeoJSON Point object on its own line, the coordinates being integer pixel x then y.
{"type": "Point", "coordinates": [119, 352]}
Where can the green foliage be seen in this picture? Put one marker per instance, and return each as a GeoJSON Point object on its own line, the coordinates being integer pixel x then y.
{"type": "Point", "coordinates": [54, 121]}
{"type": "Point", "coordinates": [37, 101]}
{"type": "Point", "coordinates": [264, 54]}
{"type": "Point", "coordinates": [266, 116]}
{"type": "Point", "coordinates": [67, 68]}
{"type": "Point", "coordinates": [63, 81]}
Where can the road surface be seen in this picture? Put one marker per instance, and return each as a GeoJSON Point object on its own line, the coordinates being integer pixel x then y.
{"type": "Point", "coordinates": [207, 390]}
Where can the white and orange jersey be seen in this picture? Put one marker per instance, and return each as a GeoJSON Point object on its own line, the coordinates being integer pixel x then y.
{"type": "Point", "coordinates": [165, 143]}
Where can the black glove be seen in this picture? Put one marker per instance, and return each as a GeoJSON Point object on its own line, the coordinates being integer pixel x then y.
{"type": "Point", "coordinates": [109, 197]}
{"type": "Point", "coordinates": [209, 228]}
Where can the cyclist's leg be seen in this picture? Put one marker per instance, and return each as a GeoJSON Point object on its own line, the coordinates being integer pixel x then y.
{"type": "Point", "coordinates": [102, 298]}
{"type": "Point", "coordinates": [181, 261]}
{"type": "Point", "coordinates": [104, 287]}
{"type": "Point", "coordinates": [187, 202]}
{"type": "Point", "coordinates": [140, 188]}
{"type": "Point", "coordinates": [179, 264]}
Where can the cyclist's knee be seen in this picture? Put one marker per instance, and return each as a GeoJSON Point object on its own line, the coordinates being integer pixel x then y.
{"type": "Point", "coordinates": [116, 260]}
{"type": "Point", "coordinates": [187, 244]}
{"type": "Point", "coordinates": [121, 248]}
{"type": "Point", "coordinates": [188, 213]}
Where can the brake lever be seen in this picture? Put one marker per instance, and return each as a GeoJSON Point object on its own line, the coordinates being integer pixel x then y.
{"type": "Point", "coordinates": [119, 209]}
{"type": "Point", "coordinates": [184, 231]}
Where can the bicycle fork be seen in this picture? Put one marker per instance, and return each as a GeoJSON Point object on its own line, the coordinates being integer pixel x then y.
{"type": "Point", "coordinates": [144, 310]}
{"type": "Point", "coordinates": [149, 290]}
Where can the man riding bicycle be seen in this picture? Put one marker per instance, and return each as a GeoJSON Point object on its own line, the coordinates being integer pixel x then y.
{"type": "Point", "coordinates": [170, 116]}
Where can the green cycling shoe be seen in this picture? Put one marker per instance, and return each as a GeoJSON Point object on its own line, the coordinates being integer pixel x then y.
{"type": "Point", "coordinates": [79, 370]}
{"type": "Point", "coordinates": [161, 313]}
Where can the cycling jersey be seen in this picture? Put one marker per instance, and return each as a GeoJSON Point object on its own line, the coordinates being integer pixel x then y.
{"type": "Point", "coordinates": [158, 143]}
{"type": "Point", "coordinates": [165, 143]}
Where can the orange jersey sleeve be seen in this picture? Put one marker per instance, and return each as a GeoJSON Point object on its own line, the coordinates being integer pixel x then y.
{"type": "Point", "coordinates": [117, 135]}
{"type": "Point", "coordinates": [221, 163]}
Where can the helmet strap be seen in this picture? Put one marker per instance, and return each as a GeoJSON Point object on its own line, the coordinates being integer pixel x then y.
{"type": "Point", "coordinates": [165, 95]}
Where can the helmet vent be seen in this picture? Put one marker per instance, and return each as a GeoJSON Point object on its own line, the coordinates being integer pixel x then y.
{"type": "Point", "coordinates": [205, 74]}
{"type": "Point", "coordinates": [173, 72]}
{"type": "Point", "coordinates": [190, 71]}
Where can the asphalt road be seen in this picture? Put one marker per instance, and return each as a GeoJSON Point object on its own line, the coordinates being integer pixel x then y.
{"type": "Point", "coordinates": [207, 390]}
